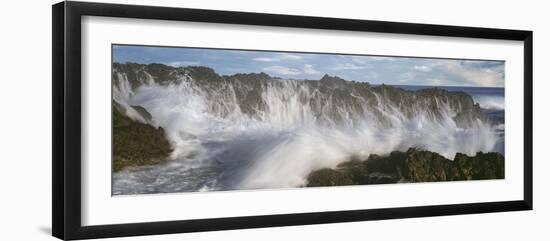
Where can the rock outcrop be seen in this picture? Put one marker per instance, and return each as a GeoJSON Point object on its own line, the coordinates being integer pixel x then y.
{"type": "Point", "coordinates": [332, 98]}
{"type": "Point", "coordinates": [414, 165]}
{"type": "Point", "coordinates": [136, 143]}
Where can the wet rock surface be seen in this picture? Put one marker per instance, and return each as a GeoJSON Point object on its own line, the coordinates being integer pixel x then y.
{"type": "Point", "coordinates": [136, 143]}
{"type": "Point", "coordinates": [414, 165]}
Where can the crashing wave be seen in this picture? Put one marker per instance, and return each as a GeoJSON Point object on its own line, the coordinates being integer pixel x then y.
{"type": "Point", "coordinates": [265, 132]}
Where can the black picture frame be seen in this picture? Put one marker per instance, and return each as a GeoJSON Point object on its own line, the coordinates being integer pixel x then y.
{"type": "Point", "coordinates": [66, 185]}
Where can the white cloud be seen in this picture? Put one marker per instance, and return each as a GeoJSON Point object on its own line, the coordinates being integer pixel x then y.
{"type": "Point", "coordinates": [309, 69]}
{"type": "Point", "coordinates": [349, 66]}
{"type": "Point", "coordinates": [381, 58]}
{"type": "Point", "coordinates": [265, 59]}
{"type": "Point", "coordinates": [365, 60]}
{"type": "Point", "coordinates": [278, 58]}
{"type": "Point", "coordinates": [359, 59]}
{"type": "Point", "coordinates": [422, 68]}
{"type": "Point", "coordinates": [290, 56]}
{"type": "Point", "coordinates": [454, 73]}
{"type": "Point", "coordinates": [472, 75]}
{"type": "Point", "coordinates": [438, 82]}
{"type": "Point", "coordinates": [282, 70]}
{"type": "Point", "coordinates": [183, 63]}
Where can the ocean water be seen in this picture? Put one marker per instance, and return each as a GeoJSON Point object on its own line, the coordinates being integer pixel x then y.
{"type": "Point", "coordinates": [219, 147]}
{"type": "Point", "coordinates": [490, 99]}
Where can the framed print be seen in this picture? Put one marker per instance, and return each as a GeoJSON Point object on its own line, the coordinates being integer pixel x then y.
{"type": "Point", "coordinates": [217, 120]}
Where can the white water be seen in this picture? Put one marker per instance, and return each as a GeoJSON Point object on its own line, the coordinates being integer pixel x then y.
{"type": "Point", "coordinates": [218, 147]}
{"type": "Point", "coordinates": [490, 102]}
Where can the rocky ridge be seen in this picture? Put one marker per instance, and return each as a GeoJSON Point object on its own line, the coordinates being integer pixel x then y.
{"type": "Point", "coordinates": [330, 95]}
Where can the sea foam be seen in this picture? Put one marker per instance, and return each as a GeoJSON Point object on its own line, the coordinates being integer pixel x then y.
{"type": "Point", "coordinates": [297, 128]}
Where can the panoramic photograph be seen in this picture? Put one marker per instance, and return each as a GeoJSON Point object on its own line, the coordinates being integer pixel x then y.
{"type": "Point", "coordinates": [203, 119]}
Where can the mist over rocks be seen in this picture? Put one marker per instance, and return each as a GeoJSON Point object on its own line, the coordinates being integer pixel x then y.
{"type": "Point", "coordinates": [141, 111]}
{"type": "Point", "coordinates": [413, 165]}
{"type": "Point", "coordinates": [348, 99]}
{"type": "Point", "coordinates": [253, 130]}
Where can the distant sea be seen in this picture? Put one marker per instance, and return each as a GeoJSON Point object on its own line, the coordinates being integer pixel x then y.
{"type": "Point", "coordinates": [490, 99]}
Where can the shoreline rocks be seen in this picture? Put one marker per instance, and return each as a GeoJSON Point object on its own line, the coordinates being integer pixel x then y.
{"type": "Point", "coordinates": [414, 165]}
{"type": "Point", "coordinates": [136, 143]}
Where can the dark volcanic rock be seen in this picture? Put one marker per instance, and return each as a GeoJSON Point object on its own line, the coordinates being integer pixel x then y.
{"type": "Point", "coordinates": [202, 74]}
{"type": "Point", "coordinates": [161, 73]}
{"type": "Point", "coordinates": [249, 78]}
{"type": "Point", "coordinates": [332, 81]}
{"type": "Point", "coordinates": [143, 112]}
{"type": "Point", "coordinates": [411, 166]}
{"type": "Point", "coordinates": [331, 98]}
{"type": "Point", "coordinates": [329, 177]}
{"type": "Point", "coordinates": [132, 72]}
{"type": "Point", "coordinates": [136, 143]}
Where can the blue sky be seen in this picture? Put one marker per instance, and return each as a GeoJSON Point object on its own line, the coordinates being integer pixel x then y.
{"type": "Point", "coordinates": [288, 65]}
